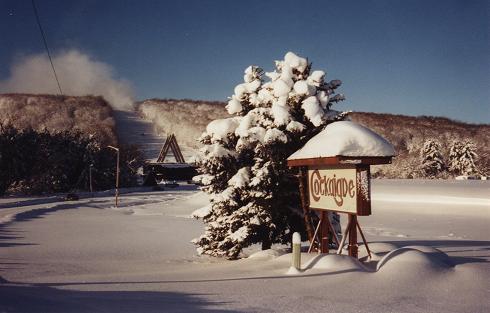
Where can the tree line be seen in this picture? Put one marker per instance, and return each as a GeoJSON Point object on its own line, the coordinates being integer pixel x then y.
{"type": "Point", "coordinates": [459, 161]}
{"type": "Point", "coordinates": [35, 162]}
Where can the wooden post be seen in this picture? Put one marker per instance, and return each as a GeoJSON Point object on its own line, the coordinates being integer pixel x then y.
{"type": "Point", "coordinates": [324, 233]}
{"type": "Point", "coordinates": [344, 237]}
{"type": "Point", "coordinates": [312, 242]}
{"type": "Point", "coordinates": [364, 240]}
{"type": "Point", "coordinates": [304, 204]}
{"type": "Point", "coordinates": [334, 235]}
{"type": "Point", "coordinates": [353, 235]}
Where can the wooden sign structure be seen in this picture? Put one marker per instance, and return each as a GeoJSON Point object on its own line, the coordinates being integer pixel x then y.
{"type": "Point", "coordinates": [336, 184]}
{"type": "Point", "coordinates": [334, 176]}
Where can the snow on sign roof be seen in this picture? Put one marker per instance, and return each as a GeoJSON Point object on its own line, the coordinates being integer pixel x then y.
{"type": "Point", "coordinates": [345, 138]}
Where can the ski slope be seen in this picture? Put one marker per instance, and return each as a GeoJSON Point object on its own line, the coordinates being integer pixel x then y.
{"type": "Point", "coordinates": [134, 130]}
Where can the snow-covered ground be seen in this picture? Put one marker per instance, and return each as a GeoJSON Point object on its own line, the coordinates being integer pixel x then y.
{"type": "Point", "coordinates": [431, 241]}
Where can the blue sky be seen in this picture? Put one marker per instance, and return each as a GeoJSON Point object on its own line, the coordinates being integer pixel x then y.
{"type": "Point", "coordinates": [403, 57]}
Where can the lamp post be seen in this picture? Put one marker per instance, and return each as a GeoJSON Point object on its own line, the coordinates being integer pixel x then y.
{"type": "Point", "coordinates": [117, 173]}
{"type": "Point", "coordinates": [90, 177]}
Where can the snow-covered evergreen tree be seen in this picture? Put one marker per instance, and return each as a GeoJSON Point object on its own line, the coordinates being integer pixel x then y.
{"type": "Point", "coordinates": [462, 157]}
{"type": "Point", "coordinates": [432, 160]}
{"type": "Point", "coordinates": [254, 196]}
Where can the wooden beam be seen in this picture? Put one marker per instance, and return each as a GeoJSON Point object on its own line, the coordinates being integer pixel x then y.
{"type": "Point", "coordinates": [324, 233]}
{"type": "Point", "coordinates": [364, 239]}
{"type": "Point", "coordinates": [302, 178]}
{"type": "Point", "coordinates": [171, 143]}
{"type": "Point", "coordinates": [315, 236]}
{"type": "Point", "coordinates": [335, 237]}
{"type": "Point", "coordinates": [344, 236]}
{"type": "Point", "coordinates": [340, 160]}
{"type": "Point", "coordinates": [353, 235]}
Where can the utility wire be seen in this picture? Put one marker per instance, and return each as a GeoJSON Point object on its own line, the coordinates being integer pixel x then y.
{"type": "Point", "coordinates": [46, 45]}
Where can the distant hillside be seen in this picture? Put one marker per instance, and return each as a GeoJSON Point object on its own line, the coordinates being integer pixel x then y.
{"type": "Point", "coordinates": [408, 134]}
{"type": "Point", "coordinates": [89, 114]}
{"type": "Point", "coordinates": [188, 119]}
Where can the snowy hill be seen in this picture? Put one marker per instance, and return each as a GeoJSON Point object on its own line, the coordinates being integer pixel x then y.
{"type": "Point", "coordinates": [132, 129]}
{"type": "Point", "coordinates": [188, 119]}
{"type": "Point", "coordinates": [88, 114]}
{"type": "Point", "coordinates": [408, 134]}
{"type": "Point", "coordinates": [154, 119]}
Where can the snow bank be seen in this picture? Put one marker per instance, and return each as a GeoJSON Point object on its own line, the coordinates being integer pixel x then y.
{"type": "Point", "coordinates": [410, 259]}
{"type": "Point", "coordinates": [345, 138]}
{"type": "Point", "coordinates": [266, 254]}
{"type": "Point", "coordinates": [336, 263]}
{"type": "Point", "coordinates": [415, 259]}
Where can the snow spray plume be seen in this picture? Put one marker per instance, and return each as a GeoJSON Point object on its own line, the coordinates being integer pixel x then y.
{"type": "Point", "coordinates": [78, 73]}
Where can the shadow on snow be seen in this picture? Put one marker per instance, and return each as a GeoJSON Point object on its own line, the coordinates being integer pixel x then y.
{"type": "Point", "coordinates": [10, 238]}
{"type": "Point", "coordinates": [35, 298]}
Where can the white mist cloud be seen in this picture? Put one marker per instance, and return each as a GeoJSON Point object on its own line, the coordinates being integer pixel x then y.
{"type": "Point", "coordinates": [78, 75]}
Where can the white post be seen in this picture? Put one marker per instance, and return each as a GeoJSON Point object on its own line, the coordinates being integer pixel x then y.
{"type": "Point", "coordinates": [297, 251]}
{"type": "Point", "coordinates": [117, 173]}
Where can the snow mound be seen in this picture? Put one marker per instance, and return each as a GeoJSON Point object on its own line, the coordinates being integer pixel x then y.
{"type": "Point", "coordinates": [266, 254]}
{"type": "Point", "coordinates": [336, 263]}
{"type": "Point", "coordinates": [415, 259]}
{"type": "Point", "coordinates": [293, 271]}
{"type": "Point", "coordinates": [314, 263]}
{"type": "Point", "coordinates": [345, 138]}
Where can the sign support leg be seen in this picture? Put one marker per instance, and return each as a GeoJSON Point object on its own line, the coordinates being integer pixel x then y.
{"type": "Point", "coordinates": [353, 235]}
{"type": "Point", "coordinates": [364, 239]}
{"type": "Point", "coordinates": [315, 238]}
{"type": "Point", "coordinates": [335, 237]}
{"type": "Point", "coordinates": [324, 235]}
{"type": "Point", "coordinates": [344, 237]}
{"type": "Point", "coordinates": [302, 177]}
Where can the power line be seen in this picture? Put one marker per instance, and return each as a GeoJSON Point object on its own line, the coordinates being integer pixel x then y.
{"type": "Point", "coordinates": [46, 45]}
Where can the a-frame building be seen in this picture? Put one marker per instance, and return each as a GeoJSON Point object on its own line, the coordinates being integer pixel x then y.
{"type": "Point", "coordinates": [171, 143]}
{"type": "Point", "coordinates": [178, 170]}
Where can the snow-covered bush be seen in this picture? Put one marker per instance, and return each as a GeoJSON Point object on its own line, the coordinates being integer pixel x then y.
{"type": "Point", "coordinates": [254, 196]}
{"type": "Point", "coordinates": [462, 158]}
{"type": "Point", "coordinates": [432, 160]}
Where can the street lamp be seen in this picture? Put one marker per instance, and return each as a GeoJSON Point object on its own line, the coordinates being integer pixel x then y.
{"type": "Point", "coordinates": [90, 177]}
{"type": "Point", "coordinates": [117, 172]}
